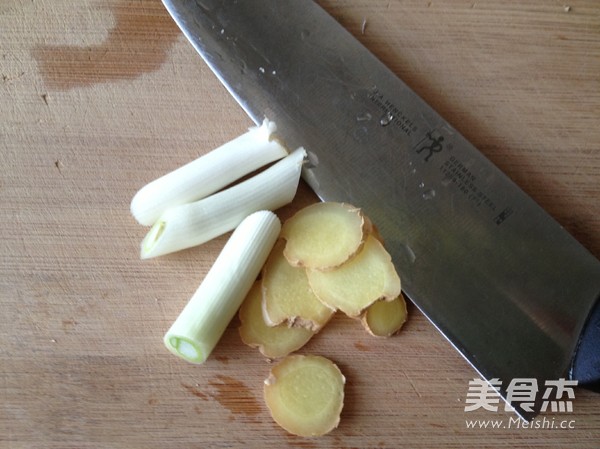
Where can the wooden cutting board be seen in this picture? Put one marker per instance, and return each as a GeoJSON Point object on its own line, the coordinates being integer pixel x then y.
{"type": "Point", "coordinates": [99, 97]}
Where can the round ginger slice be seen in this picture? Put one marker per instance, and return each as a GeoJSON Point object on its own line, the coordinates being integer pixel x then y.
{"type": "Point", "coordinates": [385, 318]}
{"type": "Point", "coordinates": [272, 341]}
{"type": "Point", "coordinates": [323, 236]}
{"type": "Point", "coordinates": [287, 296]}
{"type": "Point", "coordinates": [305, 394]}
{"type": "Point", "coordinates": [367, 277]}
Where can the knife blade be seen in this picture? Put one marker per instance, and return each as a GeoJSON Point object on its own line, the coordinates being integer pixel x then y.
{"type": "Point", "coordinates": [507, 286]}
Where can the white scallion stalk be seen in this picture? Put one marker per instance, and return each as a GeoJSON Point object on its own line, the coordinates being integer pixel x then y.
{"type": "Point", "coordinates": [209, 173]}
{"type": "Point", "coordinates": [196, 331]}
{"type": "Point", "coordinates": [195, 223]}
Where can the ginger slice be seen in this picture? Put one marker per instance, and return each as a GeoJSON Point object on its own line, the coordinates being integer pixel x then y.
{"type": "Point", "coordinates": [272, 341]}
{"type": "Point", "coordinates": [323, 236]}
{"type": "Point", "coordinates": [385, 318]}
{"type": "Point", "coordinates": [367, 277]}
{"type": "Point", "coordinates": [287, 296]}
{"type": "Point", "coordinates": [305, 394]}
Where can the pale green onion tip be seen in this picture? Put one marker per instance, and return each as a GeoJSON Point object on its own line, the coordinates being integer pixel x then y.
{"type": "Point", "coordinates": [184, 348]}
{"type": "Point", "coordinates": [152, 237]}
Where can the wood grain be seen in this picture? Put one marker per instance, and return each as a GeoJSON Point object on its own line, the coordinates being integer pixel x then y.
{"type": "Point", "coordinates": [98, 97]}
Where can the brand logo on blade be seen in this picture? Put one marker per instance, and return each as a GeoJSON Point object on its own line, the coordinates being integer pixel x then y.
{"type": "Point", "coordinates": [432, 143]}
{"type": "Point", "coordinates": [402, 118]}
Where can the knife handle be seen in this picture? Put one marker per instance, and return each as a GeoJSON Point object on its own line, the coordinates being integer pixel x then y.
{"type": "Point", "coordinates": [586, 363]}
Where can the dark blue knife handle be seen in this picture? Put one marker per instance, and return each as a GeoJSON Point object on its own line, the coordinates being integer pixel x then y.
{"type": "Point", "coordinates": [586, 363]}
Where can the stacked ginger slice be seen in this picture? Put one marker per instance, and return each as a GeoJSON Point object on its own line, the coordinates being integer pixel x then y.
{"type": "Point", "coordinates": [329, 258]}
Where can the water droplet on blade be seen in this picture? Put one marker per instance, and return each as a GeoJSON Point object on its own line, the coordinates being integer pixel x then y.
{"type": "Point", "coordinates": [364, 117]}
{"type": "Point", "coordinates": [428, 194]}
{"type": "Point", "coordinates": [409, 253]}
{"type": "Point", "coordinates": [312, 160]}
{"type": "Point", "coordinates": [386, 119]}
{"type": "Point", "coordinates": [205, 7]}
{"type": "Point", "coordinates": [243, 67]}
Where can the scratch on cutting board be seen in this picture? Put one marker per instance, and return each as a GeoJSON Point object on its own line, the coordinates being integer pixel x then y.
{"type": "Point", "coordinates": [195, 391]}
{"type": "Point", "coordinates": [6, 78]}
{"type": "Point", "coordinates": [412, 384]}
{"type": "Point", "coordinates": [414, 388]}
{"type": "Point", "coordinates": [68, 324]}
{"type": "Point", "coordinates": [138, 43]}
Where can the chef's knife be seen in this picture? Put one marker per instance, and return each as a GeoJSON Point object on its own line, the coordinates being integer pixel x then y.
{"type": "Point", "coordinates": [508, 287]}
